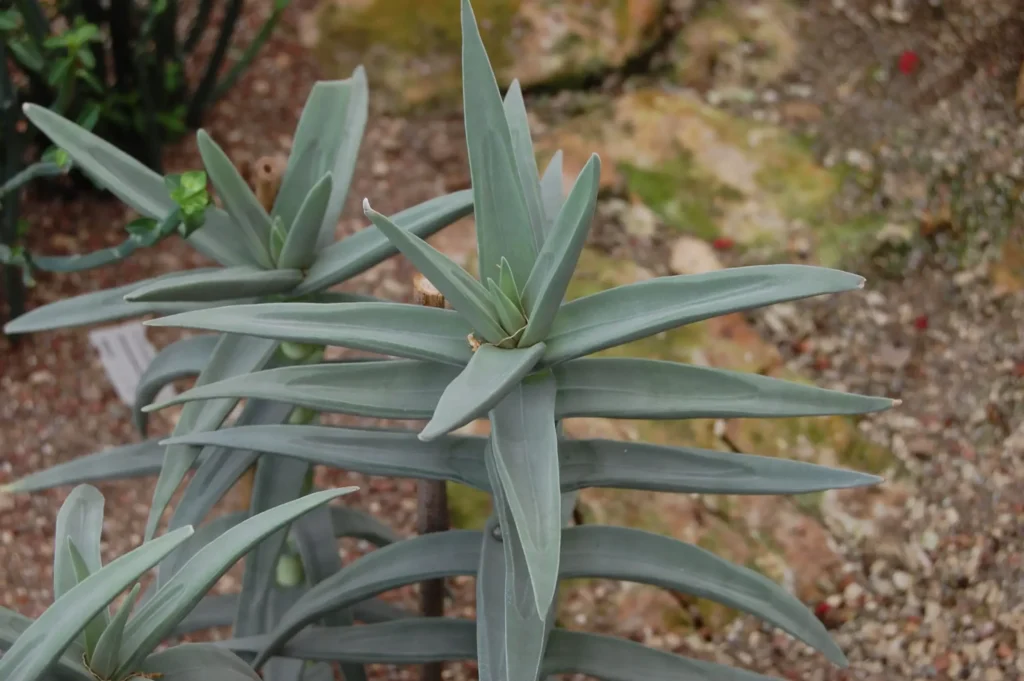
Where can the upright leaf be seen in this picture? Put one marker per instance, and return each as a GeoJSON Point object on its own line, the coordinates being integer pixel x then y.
{"type": "Point", "coordinates": [158, 617]}
{"type": "Point", "coordinates": [43, 642]}
{"type": "Point", "coordinates": [550, 277]}
{"type": "Point", "coordinates": [301, 244]}
{"type": "Point", "coordinates": [489, 376]}
{"type": "Point", "coordinates": [104, 659]}
{"type": "Point", "coordinates": [233, 356]}
{"type": "Point", "coordinates": [464, 292]}
{"type": "Point", "coordinates": [94, 628]}
{"type": "Point", "coordinates": [551, 191]}
{"type": "Point", "coordinates": [80, 520]}
{"type": "Point", "coordinates": [247, 215]}
{"type": "Point", "coordinates": [503, 225]}
{"type": "Point", "coordinates": [526, 163]}
{"type": "Point", "coordinates": [524, 453]}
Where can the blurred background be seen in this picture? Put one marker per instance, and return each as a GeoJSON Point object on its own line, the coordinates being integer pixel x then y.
{"type": "Point", "coordinates": [884, 137]}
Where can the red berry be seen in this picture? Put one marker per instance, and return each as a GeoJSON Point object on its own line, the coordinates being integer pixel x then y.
{"type": "Point", "coordinates": [723, 243]}
{"type": "Point", "coordinates": [921, 323]}
{"type": "Point", "coordinates": [908, 62]}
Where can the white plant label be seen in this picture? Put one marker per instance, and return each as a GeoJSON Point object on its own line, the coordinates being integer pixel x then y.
{"type": "Point", "coordinates": [126, 352]}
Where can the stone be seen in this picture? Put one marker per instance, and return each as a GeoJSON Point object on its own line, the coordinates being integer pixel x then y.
{"type": "Point", "coordinates": [693, 256]}
{"type": "Point", "coordinates": [901, 580]}
{"type": "Point", "coordinates": [412, 49]}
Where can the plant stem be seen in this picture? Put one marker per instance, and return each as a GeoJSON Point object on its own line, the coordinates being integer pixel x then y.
{"type": "Point", "coordinates": [432, 511]}
{"type": "Point", "coordinates": [204, 90]}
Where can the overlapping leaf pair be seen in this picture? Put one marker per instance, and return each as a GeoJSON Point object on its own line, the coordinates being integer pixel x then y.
{"type": "Point", "coordinates": [78, 639]}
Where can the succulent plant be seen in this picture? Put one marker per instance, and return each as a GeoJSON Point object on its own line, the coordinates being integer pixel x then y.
{"type": "Point", "coordinates": [78, 639]}
{"type": "Point", "coordinates": [513, 351]}
{"type": "Point", "coordinates": [284, 250]}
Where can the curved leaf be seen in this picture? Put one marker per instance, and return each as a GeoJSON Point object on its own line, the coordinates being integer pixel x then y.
{"type": "Point", "coordinates": [45, 639]}
{"type": "Point", "coordinates": [232, 356]}
{"type": "Point", "coordinates": [410, 331]}
{"type": "Point", "coordinates": [488, 377]}
{"type": "Point", "coordinates": [626, 313]}
{"type": "Point", "coordinates": [181, 359]}
{"type": "Point", "coordinates": [79, 520]}
{"type": "Point", "coordinates": [651, 389]}
{"type": "Point", "coordinates": [616, 659]}
{"type": "Point", "coordinates": [552, 192]}
{"type": "Point", "coordinates": [99, 306]}
{"type": "Point", "coordinates": [502, 217]}
{"type": "Point", "coordinates": [371, 452]}
{"type": "Point", "coordinates": [135, 184]}
{"type": "Point", "coordinates": [355, 524]}
{"type": "Point", "coordinates": [526, 162]}
{"type": "Point", "coordinates": [638, 556]}
{"type": "Point", "coordinates": [104, 659]}
{"type": "Point", "coordinates": [219, 285]}
{"type": "Point", "coordinates": [250, 220]}
{"type": "Point", "coordinates": [300, 246]}
{"type": "Point", "coordinates": [368, 247]}
{"type": "Point", "coordinates": [203, 537]}
{"type": "Point", "coordinates": [195, 661]}
{"type": "Point", "coordinates": [465, 293]}
{"type": "Point", "coordinates": [402, 389]}
{"type": "Point", "coordinates": [158, 617]}
{"type": "Point", "coordinates": [556, 263]}
{"type": "Point", "coordinates": [524, 453]}
{"type": "Point", "coordinates": [440, 554]}
{"type": "Point", "coordinates": [67, 667]}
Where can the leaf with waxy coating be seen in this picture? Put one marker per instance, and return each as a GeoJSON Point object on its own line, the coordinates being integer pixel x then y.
{"type": "Point", "coordinates": [489, 376]}
{"type": "Point", "coordinates": [220, 285]}
{"type": "Point", "coordinates": [79, 520]}
{"type": "Point", "coordinates": [181, 359]}
{"type": "Point", "coordinates": [526, 163]}
{"type": "Point", "coordinates": [411, 331]}
{"type": "Point", "coordinates": [510, 316]}
{"type": "Point", "coordinates": [104, 659]}
{"type": "Point", "coordinates": [197, 662]}
{"type": "Point", "coordinates": [626, 313]}
{"type": "Point", "coordinates": [43, 642]}
{"type": "Point", "coordinates": [465, 293]}
{"type": "Point", "coordinates": [300, 245]}
{"type": "Point", "coordinates": [552, 192]}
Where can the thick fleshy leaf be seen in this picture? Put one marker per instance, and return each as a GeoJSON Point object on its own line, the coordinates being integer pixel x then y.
{"type": "Point", "coordinates": [278, 480]}
{"type": "Point", "coordinates": [401, 389]}
{"type": "Point", "coordinates": [440, 554]}
{"type": "Point", "coordinates": [618, 659]}
{"type": "Point", "coordinates": [509, 315]}
{"type": "Point", "coordinates": [411, 331]}
{"type": "Point", "coordinates": [370, 452]}
{"type": "Point", "coordinates": [465, 293]}
{"type": "Point", "coordinates": [197, 662]}
{"type": "Point", "coordinates": [637, 556]}
{"type": "Point", "coordinates": [135, 184]}
{"type": "Point", "coordinates": [524, 453]}
{"type": "Point", "coordinates": [67, 667]}
{"type": "Point", "coordinates": [104, 658]}
{"type": "Point", "coordinates": [355, 524]}
{"type": "Point", "coordinates": [508, 286]}
{"type": "Point", "coordinates": [203, 537]}
{"type": "Point", "coordinates": [94, 628]}
{"type": "Point", "coordinates": [107, 305]}
{"type": "Point", "coordinates": [233, 356]}
{"type": "Point", "coordinates": [327, 140]}
{"type": "Point", "coordinates": [423, 639]}
{"type": "Point", "coordinates": [552, 192]}
{"type": "Point", "coordinates": [158, 617]}
{"type": "Point", "coordinates": [364, 249]}
{"type": "Point", "coordinates": [300, 246]}
{"type": "Point", "coordinates": [550, 276]}
{"type": "Point", "coordinates": [43, 642]}
{"type": "Point", "coordinates": [486, 380]}
{"type": "Point", "coordinates": [120, 463]}
{"type": "Point", "coordinates": [502, 217]}
{"type": "Point", "coordinates": [658, 468]}
{"type": "Point", "coordinates": [251, 222]}
{"type": "Point", "coordinates": [181, 359]}
{"type": "Point", "coordinates": [633, 311]}
{"type": "Point", "coordinates": [79, 520]}
{"type": "Point", "coordinates": [221, 468]}
{"type": "Point", "coordinates": [223, 284]}
{"type": "Point", "coordinates": [651, 389]}
{"type": "Point", "coordinates": [526, 162]}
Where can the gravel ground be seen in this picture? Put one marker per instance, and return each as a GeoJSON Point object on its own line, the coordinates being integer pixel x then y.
{"type": "Point", "coordinates": [939, 595]}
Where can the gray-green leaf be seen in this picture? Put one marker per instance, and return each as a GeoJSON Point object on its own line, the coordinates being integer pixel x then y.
{"type": "Point", "coordinates": [488, 377]}
{"type": "Point", "coordinates": [220, 285]}
{"type": "Point", "coordinates": [104, 659]}
{"type": "Point", "coordinates": [181, 359]}
{"type": "Point", "coordinates": [526, 162]}
{"type": "Point", "coordinates": [197, 662]}
{"type": "Point", "coordinates": [552, 193]}
{"type": "Point", "coordinates": [301, 244]}
{"type": "Point", "coordinates": [80, 520]}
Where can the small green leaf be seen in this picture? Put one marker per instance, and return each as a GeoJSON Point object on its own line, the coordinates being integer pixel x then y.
{"type": "Point", "coordinates": [465, 293]}
{"type": "Point", "coordinates": [94, 628]}
{"type": "Point", "coordinates": [104, 659]}
{"type": "Point", "coordinates": [488, 377]}
{"type": "Point", "coordinates": [300, 248]}
{"type": "Point", "coordinates": [510, 316]}
{"type": "Point", "coordinates": [545, 289]}
{"type": "Point", "coordinates": [507, 284]}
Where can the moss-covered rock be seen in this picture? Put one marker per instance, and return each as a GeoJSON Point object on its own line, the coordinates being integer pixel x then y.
{"type": "Point", "coordinates": [411, 48]}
